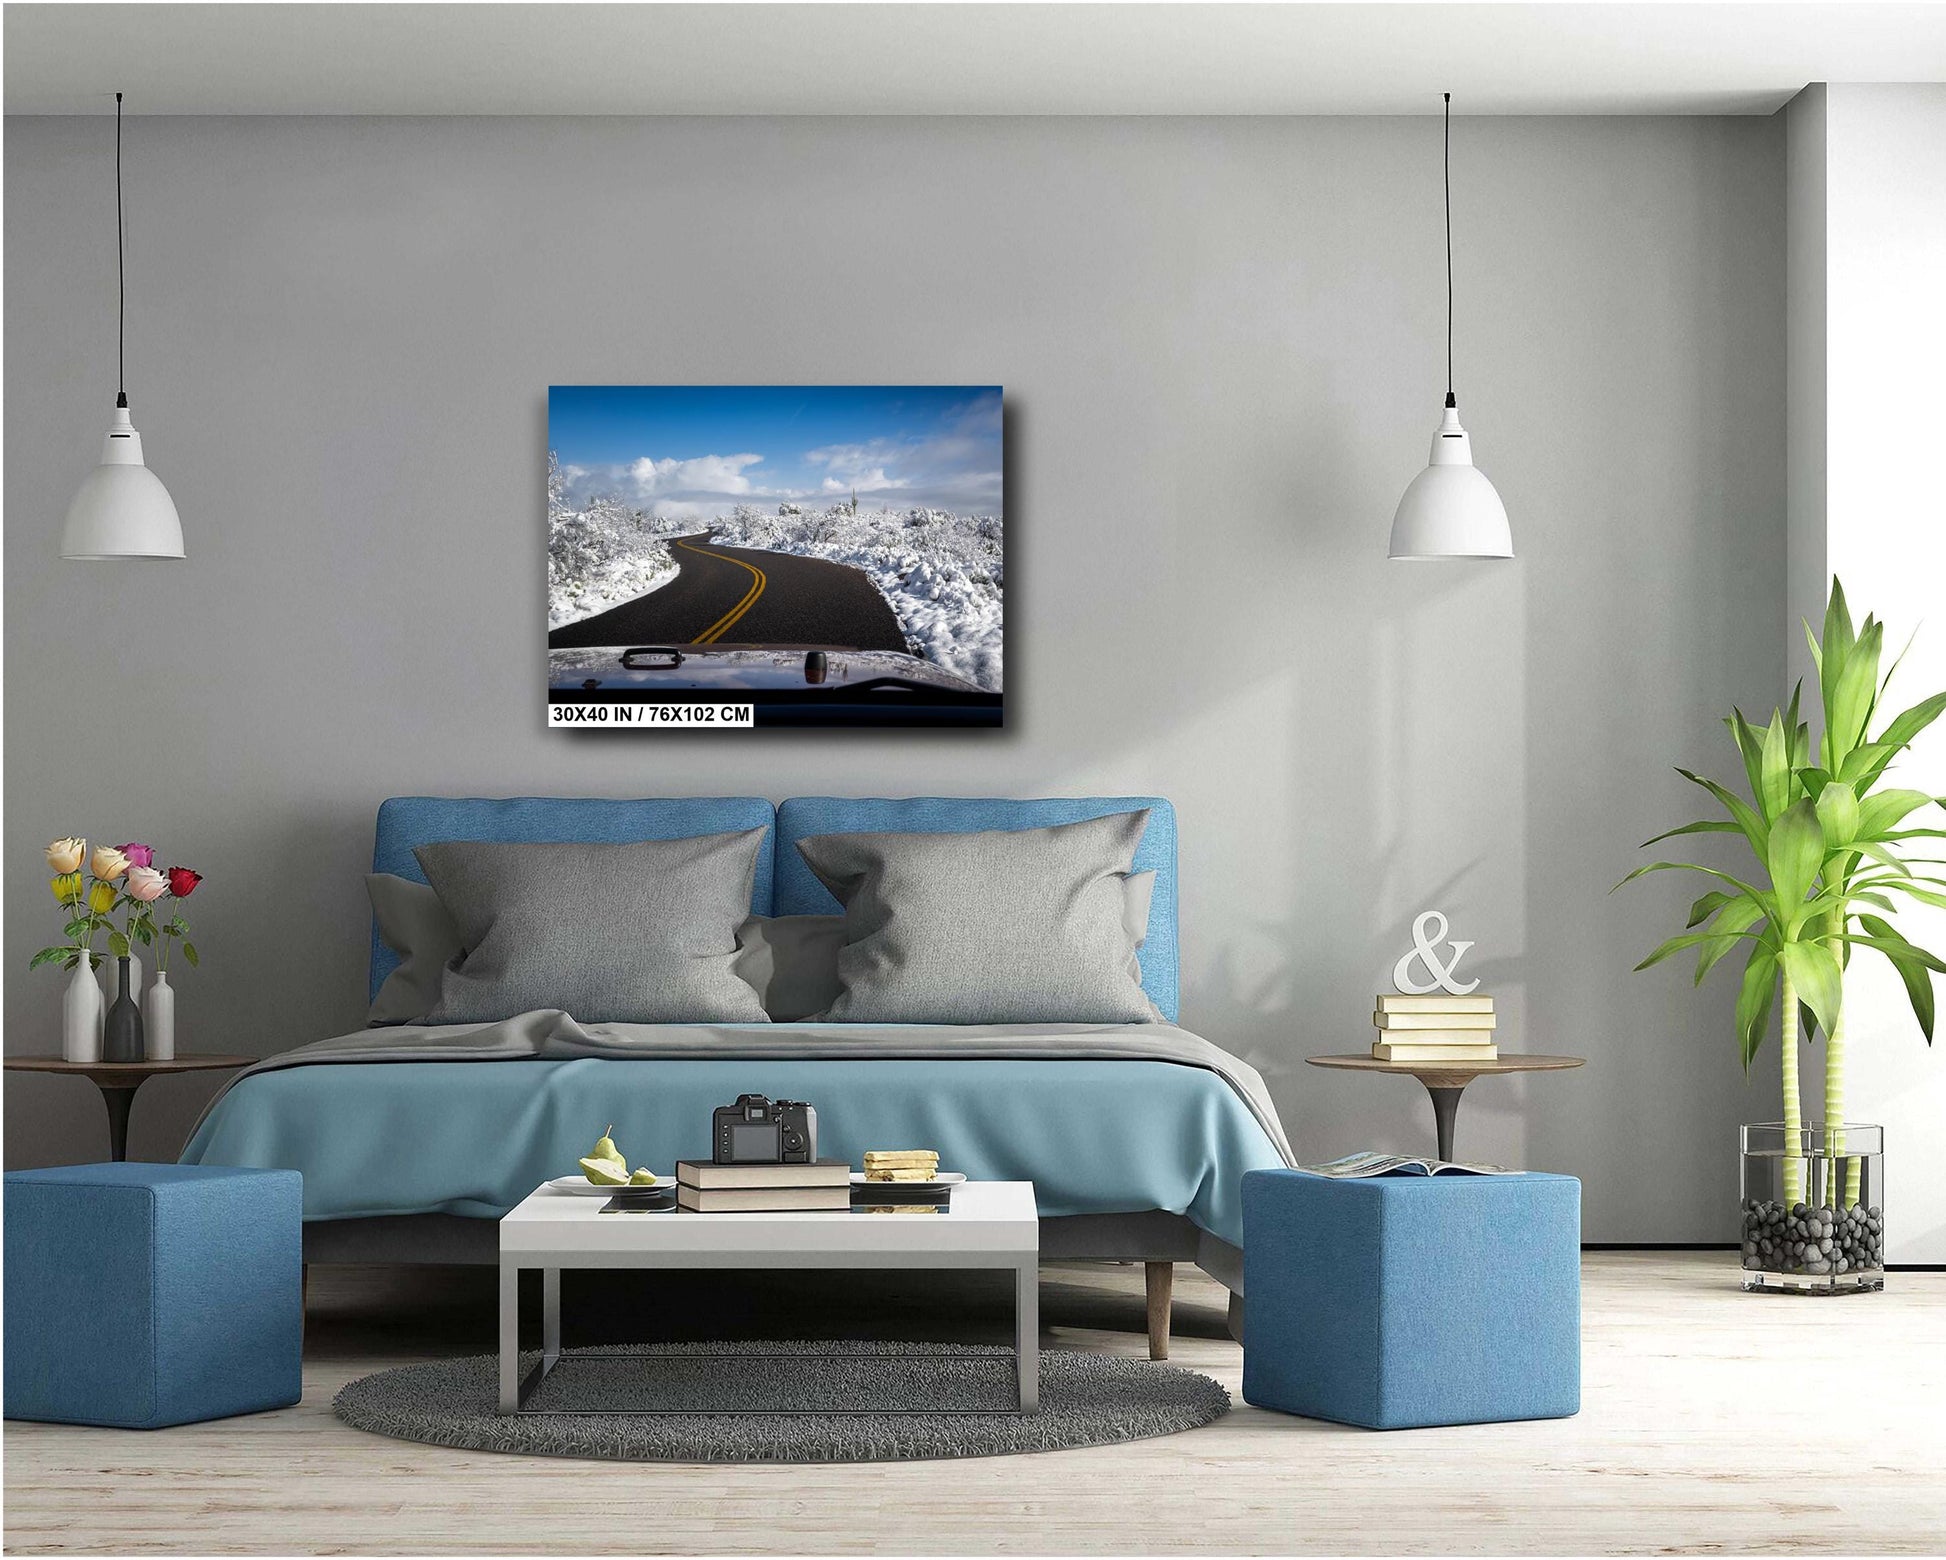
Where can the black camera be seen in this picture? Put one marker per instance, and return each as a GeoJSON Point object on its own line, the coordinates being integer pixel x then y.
{"type": "Point", "coordinates": [760, 1131]}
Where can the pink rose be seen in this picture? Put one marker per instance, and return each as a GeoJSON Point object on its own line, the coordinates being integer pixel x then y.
{"type": "Point", "coordinates": [145, 883]}
{"type": "Point", "coordinates": [138, 855]}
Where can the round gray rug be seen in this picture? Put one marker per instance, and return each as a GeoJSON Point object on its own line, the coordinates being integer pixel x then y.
{"type": "Point", "coordinates": [963, 1394]}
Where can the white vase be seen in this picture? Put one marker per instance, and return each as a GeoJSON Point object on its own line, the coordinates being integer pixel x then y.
{"type": "Point", "coordinates": [81, 1016]}
{"type": "Point", "coordinates": [159, 1019]}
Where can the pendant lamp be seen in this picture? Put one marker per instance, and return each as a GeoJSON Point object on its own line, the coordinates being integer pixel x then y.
{"type": "Point", "coordinates": [1451, 510]}
{"type": "Point", "coordinates": [122, 509]}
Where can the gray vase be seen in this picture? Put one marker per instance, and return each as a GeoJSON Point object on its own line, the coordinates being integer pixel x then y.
{"type": "Point", "coordinates": [121, 1037]}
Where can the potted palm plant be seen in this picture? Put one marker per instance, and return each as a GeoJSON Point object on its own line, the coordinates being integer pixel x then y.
{"type": "Point", "coordinates": [1837, 851]}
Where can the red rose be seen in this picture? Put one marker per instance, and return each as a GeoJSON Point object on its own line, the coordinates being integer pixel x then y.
{"type": "Point", "coordinates": [182, 882]}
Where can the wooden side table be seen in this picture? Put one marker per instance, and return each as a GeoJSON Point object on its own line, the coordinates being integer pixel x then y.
{"type": "Point", "coordinates": [118, 1082]}
{"type": "Point", "coordinates": [1445, 1080]}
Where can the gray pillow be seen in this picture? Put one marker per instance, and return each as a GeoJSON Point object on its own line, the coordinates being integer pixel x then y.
{"type": "Point", "coordinates": [993, 927]}
{"type": "Point", "coordinates": [1138, 890]}
{"type": "Point", "coordinates": [791, 962]}
{"type": "Point", "coordinates": [641, 933]}
{"type": "Point", "coordinates": [416, 926]}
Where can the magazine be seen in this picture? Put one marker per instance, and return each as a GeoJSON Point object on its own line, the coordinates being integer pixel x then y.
{"type": "Point", "coordinates": [1354, 1166]}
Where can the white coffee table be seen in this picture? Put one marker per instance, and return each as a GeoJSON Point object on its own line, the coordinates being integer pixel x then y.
{"type": "Point", "coordinates": [988, 1224]}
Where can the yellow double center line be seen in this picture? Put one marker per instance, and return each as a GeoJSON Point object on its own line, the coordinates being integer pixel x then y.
{"type": "Point", "coordinates": [716, 630]}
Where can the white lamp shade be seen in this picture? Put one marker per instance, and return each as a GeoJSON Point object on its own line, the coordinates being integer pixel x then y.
{"type": "Point", "coordinates": [1451, 510]}
{"type": "Point", "coordinates": [122, 509]}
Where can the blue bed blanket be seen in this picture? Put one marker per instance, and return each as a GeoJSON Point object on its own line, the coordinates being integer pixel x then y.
{"type": "Point", "coordinates": [1102, 1119]}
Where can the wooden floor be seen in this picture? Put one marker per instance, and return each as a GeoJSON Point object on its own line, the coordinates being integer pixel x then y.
{"type": "Point", "coordinates": [1711, 1420]}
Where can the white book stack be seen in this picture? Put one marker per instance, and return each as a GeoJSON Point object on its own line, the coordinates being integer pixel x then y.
{"type": "Point", "coordinates": [1435, 1028]}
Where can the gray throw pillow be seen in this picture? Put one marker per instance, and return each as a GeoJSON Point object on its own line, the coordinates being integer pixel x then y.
{"type": "Point", "coordinates": [1138, 891]}
{"type": "Point", "coordinates": [791, 962]}
{"type": "Point", "coordinates": [416, 926]}
{"type": "Point", "coordinates": [993, 927]}
{"type": "Point", "coordinates": [642, 933]}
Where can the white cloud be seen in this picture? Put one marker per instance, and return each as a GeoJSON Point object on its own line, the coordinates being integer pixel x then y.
{"type": "Point", "coordinates": [703, 474]}
{"type": "Point", "coordinates": [873, 481]}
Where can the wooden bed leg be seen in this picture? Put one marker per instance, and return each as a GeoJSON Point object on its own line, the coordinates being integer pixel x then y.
{"type": "Point", "coordinates": [1235, 1317]}
{"type": "Point", "coordinates": [1161, 1278]}
{"type": "Point", "coordinates": [303, 1301]}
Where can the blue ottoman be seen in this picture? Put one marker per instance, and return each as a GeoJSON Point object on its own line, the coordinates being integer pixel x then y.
{"type": "Point", "coordinates": [1407, 1300]}
{"type": "Point", "coordinates": [145, 1295]}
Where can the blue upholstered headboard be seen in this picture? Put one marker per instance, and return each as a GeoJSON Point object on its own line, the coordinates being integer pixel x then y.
{"type": "Point", "coordinates": [800, 893]}
{"type": "Point", "coordinates": [406, 821]}
{"type": "Point", "coordinates": [784, 885]}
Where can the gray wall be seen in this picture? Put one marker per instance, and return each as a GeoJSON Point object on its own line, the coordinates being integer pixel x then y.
{"type": "Point", "coordinates": [1221, 346]}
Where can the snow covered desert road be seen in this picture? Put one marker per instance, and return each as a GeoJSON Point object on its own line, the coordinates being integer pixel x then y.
{"type": "Point", "coordinates": [740, 595]}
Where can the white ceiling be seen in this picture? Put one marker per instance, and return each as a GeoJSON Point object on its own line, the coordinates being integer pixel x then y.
{"type": "Point", "coordinates": [1112, 58]}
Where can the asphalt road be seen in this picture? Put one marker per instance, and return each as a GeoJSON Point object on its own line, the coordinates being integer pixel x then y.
{"type": "Point", "coordinates": [743, 596]}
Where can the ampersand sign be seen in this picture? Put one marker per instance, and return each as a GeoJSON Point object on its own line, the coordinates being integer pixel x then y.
{"type": "Point", "coordinates": [1428, 930]}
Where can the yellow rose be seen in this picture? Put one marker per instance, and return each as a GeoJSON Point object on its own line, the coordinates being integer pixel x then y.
{"type": "Point", "coordinates": [107, 863]}
{"type": "Point", "coordinates": [65, 855]}
{"type": "Point", "coordinates": [67, 887]}
{"type": "Point", "coordinates": [101, 898]}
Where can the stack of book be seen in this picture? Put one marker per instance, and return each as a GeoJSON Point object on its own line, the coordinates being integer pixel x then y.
{"type": "Point", "coordinates": [1436, 1028]}
{"type": "Point", "coordinates": [703, 1186]}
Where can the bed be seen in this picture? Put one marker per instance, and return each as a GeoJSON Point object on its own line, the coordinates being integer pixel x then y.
{"type": "Point", "coordinates": [413, 1140]}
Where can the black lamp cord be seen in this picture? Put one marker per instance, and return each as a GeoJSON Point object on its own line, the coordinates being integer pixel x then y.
{"type": "Point", "coordinates": [1448, 174]}
{"type": "Point", "coordinates": [121, 271]}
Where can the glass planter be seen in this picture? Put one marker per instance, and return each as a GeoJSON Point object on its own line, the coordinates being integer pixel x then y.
{"type": "Point", "coordinates": [1814, 1209]}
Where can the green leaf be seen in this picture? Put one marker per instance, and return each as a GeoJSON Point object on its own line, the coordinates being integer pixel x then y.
{"type": "Point", "coordinates": [1882, 810]}
{"type": "Point", "coordinates": [1691, 940]}
{"type": "Point", "coordinates": [1755, 829]}
{"type": "Point", "coordinates": [1775, 795]}
{"type": "Point", "coordinates": [1907, 724]}
{"type": "Point", "coordinates": [1735, 918]}
{"type": "Point", "coordinates": [1817, 650]}
{"type": "Point", "coordinates": [1796, 852]}
{"type": "Point", "coordinates": [1814, 971]}
{"type": "Point", "coordinates": [1756, 894]}
{"type": "Point", "coordinates": [1707, 906]}
{"type": "Point", "coordinates": [1838, 814]}
{"type": "Point", "coordinates": [1850, 703]}
{"type": "Point", "coordinates": [1913, 972]}
{"type": "Point", "coordinates": [1895, 944]}
{"type": "Point", "coordinates": [189, 953]}
{"type": "Point", "coordinates": [1754, 998]}
{"type": "Point", "coordinates": [48, 955]}
{"type": "Point", "coordinates": [1750, 747]}
{"type": "Point", "coordinates": [1701, 826]}
{"type": "Point", "coordinates": [1884, 856]}
{"type": "Point", "coordinates": [117, 946]}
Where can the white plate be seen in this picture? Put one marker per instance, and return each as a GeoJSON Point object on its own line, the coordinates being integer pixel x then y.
{"type": "Point", "coordinates": [581, 1186]}
{"type": "Point", "coordinates": [944, 1178]}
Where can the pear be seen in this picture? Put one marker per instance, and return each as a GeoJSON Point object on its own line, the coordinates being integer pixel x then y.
{"type": "Point", "coordinates": [642, 1178]}
{"type": "Point", "coordinates": [604, 1164]}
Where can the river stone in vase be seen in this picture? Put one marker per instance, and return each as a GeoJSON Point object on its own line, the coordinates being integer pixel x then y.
{"type": "Point", "coordinates": [121, 1039]}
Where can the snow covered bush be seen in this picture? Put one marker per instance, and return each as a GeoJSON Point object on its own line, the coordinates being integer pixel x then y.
{"type": "Point", "coordinates": [943, 573]}
{"type": "Point", "coordinates": [599, 556]}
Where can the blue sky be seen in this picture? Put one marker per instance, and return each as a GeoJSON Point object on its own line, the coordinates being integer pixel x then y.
{"type": "Point", "coordinates": [693, 451]}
